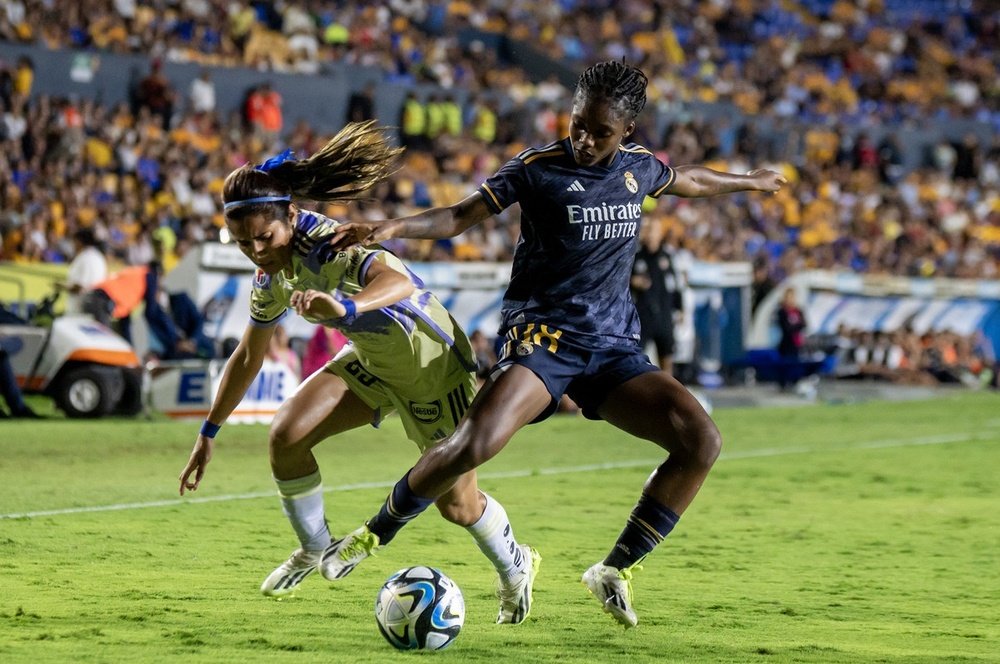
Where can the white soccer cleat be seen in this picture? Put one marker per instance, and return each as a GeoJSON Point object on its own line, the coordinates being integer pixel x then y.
{"type": "Point", "coordinates": [515, 593]}
{"type": "Point", "coordinates": [344, 554]}
{"type": "Point", "coordinates": [287, 577]}
{"type": "Point", "coordinates": [613, 589]}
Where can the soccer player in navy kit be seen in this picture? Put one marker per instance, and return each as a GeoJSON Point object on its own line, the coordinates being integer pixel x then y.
{"type": "Point", "coordinates": [569, 322]}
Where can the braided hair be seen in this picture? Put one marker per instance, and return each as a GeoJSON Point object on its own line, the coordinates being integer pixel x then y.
{"type": "Point", "coordinates": [623, 85]}
{"type": "Point", "coordinates": [355, 160]}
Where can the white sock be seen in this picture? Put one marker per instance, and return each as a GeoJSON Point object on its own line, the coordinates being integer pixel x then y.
{"type": "Point", "coordinates": [495, 538]}
{"type": "Point", "coordinates": [302, 500]}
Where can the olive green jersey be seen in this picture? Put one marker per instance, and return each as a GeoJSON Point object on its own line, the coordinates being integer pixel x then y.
{"type": "Point", "coordinates": [412, 348]}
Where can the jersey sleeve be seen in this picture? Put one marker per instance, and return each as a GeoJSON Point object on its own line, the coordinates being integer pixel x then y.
{"type": "Point", "coordinates": [346, 271]}
{"type": "Point", "coordinates": [357, 261]}
{"type": "Point", "coordinates": [265, 309]}
{"type": "Point", "coordinates": [504, 187]}
{"type": "Point", "coordinates": [662, 176]}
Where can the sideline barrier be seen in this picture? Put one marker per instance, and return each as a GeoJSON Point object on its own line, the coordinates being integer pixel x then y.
{"type": "Point", "coordinates": [216, 276]}
{"type": "Point", "coordinates": [184, 390]}
{"type": "Point", "coordinates": [883, 304]}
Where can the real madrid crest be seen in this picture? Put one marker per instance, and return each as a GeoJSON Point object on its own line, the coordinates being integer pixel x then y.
{"type": "Point", "coordinates": [525, 348]}
{"type": "Point", "coordinates": [630, 182]}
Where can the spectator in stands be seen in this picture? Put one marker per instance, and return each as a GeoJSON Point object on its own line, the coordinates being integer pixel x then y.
{"type": "Point", "coordinates": [324, 344]}
{"type": "Point", "coordinates": [201, 95]}
{"type": "Point", "coordinates": [155, 93]}
{"type": "Point", "coordinates": [361, 104]}
{"type": "Point", "coordinates": [281, 351]}
{"type": "Point", "coordinates": [264, 112]}
{"type": "Point", "coordinates": [88, 267]}
{"type": "Point", "coordinates": [24, 77]}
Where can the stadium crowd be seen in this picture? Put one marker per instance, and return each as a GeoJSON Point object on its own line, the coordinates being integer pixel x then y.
{"type": "Point", "coordinates": [70, 164]}
{"type": "Point", "coordinates": [862, 62]}
{"type": "Point", "coordinates": [907, 358]}
{"type": "Point", "coordinates": [146, 176]}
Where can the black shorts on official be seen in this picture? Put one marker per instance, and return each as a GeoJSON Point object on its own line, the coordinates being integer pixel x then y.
{"type": "Point", "coordinates": [588, 376]}
{"type": "Point", "coordinates": [663, 339]}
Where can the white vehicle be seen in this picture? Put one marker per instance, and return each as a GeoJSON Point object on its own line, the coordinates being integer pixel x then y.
{"type": "Point", "coordinates": [87, 369]}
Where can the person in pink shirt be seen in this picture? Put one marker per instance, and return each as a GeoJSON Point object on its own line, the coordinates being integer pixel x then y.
{"type": "Point", "coordinates": [323, 345]}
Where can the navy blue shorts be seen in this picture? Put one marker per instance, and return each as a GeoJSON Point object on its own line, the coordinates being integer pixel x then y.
{"type": "Point", "coordinates": [587, 375]}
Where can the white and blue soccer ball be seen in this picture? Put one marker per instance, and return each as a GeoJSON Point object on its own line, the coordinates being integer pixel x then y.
{"type": "Point", "coordinates": [419, 608]}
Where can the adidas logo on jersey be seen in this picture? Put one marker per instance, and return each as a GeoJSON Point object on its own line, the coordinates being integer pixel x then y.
{"type": "Point", "coordinates": [576, 186]}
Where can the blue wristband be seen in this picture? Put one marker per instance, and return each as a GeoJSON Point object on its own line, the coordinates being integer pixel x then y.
{"type": "Point", "coordinates": [210, 430]}
{"type": "Point", "coordinates": [352, 310]}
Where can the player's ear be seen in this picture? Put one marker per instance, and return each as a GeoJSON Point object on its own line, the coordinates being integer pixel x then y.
{"type": "Point", "coordinates": [629, 128]}
{"type": "Point", "coordinates": [293, 211]}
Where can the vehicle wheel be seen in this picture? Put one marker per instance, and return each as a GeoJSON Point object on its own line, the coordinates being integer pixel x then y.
{"type": "Point", "coordinates": [130, 403]}
{"type": "Point", "coordinates": [88, 391]}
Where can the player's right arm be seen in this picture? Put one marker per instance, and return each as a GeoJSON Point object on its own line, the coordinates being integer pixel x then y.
{"type": "Point", "coordinates": [241, 369]}
{"type": "Point", "coordinates": [435, 223]}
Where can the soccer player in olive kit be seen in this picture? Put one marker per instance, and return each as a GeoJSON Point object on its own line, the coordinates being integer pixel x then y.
{"type": "Point", "coordinates": [569, 323]}
{"type": "Point", "coordinates": [406, 353]}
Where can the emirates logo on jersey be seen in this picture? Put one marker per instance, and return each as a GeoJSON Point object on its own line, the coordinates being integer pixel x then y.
{"type": "Point", "coordinates": [631, 183]}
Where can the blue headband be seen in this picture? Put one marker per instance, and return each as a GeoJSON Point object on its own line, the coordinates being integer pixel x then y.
{"type": "Point", "coordinates": [259, 199]}
{"type": "Point", "coordinates": [266, 167]}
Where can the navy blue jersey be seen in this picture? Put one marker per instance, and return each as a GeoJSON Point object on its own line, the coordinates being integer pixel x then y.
{"type": "Point", "coordinates": [579, 228]}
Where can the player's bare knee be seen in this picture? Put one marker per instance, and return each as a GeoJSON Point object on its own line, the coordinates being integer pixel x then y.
{"type": "Point", "coordinates": [458, 511]}
{"type": "Point", "coordinates": [712, 445]}
{"type": "Point", "coordinates": [475, 454]}
{"type": "Point", "coordinates": [699, 443]}
{"type": "Point", "coordinates": [462, 453]}
{"type": "Point", "coordinates": [281, 442]}
{"type": "Point", "coordinates": [706, 444]}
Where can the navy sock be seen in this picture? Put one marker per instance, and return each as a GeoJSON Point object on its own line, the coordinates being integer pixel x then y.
{"type": "Point", "coordinates": [648, 524]}
{"type": "Point", "coordinates": [401, 507]}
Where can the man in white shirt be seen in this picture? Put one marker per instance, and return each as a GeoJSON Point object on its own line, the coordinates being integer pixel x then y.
{"type": "Point", "coordinates": [88, 267]}
{"type": "Point", "coordinates": [201, 94]}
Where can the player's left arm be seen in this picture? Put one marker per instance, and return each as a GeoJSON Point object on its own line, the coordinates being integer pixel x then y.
{"type": "Point", "coordinates": [698, 182]}
{"type": "Point", "coordinates": [435, 223]}
{"type": "Point", "coordinates": [383, 286]}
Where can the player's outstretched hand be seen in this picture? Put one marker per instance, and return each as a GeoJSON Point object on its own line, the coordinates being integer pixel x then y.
{"type": "Point", "coordinates": [353, 233]}
{"type": "Point", "coordinates": [767, 180]}
{"type": "Point", "coordinates": [200, 456]}
{"type": "Point", "coordinates": [317, 304]}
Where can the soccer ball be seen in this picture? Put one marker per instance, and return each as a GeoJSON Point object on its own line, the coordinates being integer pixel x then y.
{"type": "Point", "coordinates": [419, 608]}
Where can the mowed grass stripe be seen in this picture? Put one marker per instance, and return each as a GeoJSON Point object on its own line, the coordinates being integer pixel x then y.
{"type": "Point", "coordinates": [943, 439]}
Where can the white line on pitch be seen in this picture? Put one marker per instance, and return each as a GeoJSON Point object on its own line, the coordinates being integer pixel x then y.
{"type": "Point", "coordinates": [943, 439]}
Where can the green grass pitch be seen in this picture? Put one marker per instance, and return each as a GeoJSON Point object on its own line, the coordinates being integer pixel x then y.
{"type": "Point", "coordinates": [830, 533]}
